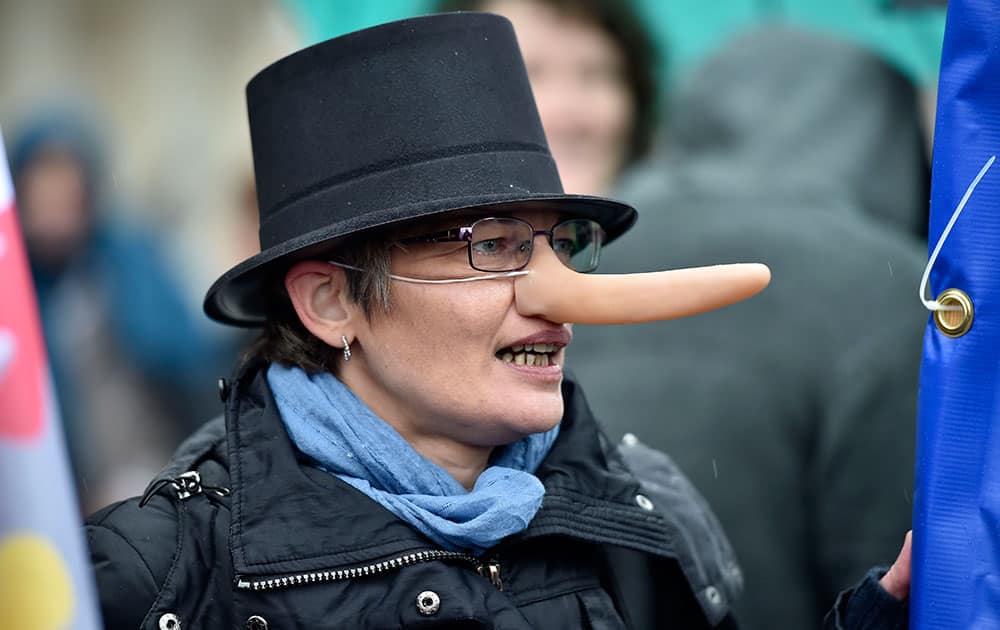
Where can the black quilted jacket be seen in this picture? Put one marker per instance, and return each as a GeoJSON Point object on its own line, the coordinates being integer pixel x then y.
{"type": "Point", "coordinates": [239, 532]}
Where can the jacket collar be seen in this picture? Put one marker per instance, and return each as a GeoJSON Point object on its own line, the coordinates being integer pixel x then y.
{"type": "Point", "coordinates": [288, 517]}
{"type": "Point", "coordinates": [590, 493]}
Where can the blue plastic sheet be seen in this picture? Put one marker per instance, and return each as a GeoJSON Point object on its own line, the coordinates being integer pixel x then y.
{"type": "Point", "coordinates": [956, 570]}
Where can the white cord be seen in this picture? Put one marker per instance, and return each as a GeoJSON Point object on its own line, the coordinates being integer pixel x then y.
{"type": "Point", "coordinates": [934, 305]}
{"type": "Point", "coordinates": [490, 276]}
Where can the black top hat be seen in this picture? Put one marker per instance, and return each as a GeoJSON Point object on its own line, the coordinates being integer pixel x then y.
{"type": "Point", "coordinates": [399, 121]}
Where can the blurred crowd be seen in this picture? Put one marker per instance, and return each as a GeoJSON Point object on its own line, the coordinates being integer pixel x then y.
{"type": "Point", "coordinates": [791, 133]}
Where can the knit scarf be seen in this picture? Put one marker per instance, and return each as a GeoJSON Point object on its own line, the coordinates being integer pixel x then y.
{"type": "Point", "coordinates": [342, 436]}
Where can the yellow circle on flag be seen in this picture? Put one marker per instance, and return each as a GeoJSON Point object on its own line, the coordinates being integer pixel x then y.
{"type": "Point", "coordinates": [36, 592]}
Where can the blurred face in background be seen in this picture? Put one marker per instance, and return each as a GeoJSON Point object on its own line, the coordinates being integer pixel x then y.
{"type": "Point", "coordinates": [578, 77]}
{"type": "Point", "coordinates": [53, 203]}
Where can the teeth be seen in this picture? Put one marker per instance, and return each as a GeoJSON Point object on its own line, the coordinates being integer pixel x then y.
{"type": "Point", "coordinates": [537, 348]}
{"type": "Point", "coordinates": [535, 355]}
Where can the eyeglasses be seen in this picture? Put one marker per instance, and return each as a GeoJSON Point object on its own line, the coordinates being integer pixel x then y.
{"type": "Point", "coordinates": [505, 243]}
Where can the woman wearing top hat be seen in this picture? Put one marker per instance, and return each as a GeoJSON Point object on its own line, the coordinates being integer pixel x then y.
{"type": "Point", "coordinates": [401, 447]}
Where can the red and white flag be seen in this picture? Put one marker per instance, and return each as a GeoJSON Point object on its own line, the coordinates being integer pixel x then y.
{"type": "Point", "coordinates": [45, 576]}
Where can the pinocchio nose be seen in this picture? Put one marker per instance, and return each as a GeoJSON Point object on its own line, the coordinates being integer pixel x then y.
{"type": "Point", "coordinates": [554, 292]}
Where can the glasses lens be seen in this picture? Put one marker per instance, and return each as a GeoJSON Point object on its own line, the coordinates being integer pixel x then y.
{"type": "Point", "coordinates": [577, 243]}
{"type": "Point", "coordinates": [500, 244]}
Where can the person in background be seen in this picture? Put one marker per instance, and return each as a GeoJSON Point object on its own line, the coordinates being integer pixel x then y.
{"type": "Point", "coordinates": [793, 412]}
{"type": "Point", "coordinates": [592, 67]}
{"type": "Point", "coordinates": [123, 343]}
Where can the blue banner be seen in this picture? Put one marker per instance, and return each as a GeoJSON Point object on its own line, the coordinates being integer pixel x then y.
{"type": "Point", "coordinates": [956, 545]}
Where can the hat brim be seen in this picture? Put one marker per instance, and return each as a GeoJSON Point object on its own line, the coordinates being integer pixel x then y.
{"type": "Point", "coordinates": [239, 298]}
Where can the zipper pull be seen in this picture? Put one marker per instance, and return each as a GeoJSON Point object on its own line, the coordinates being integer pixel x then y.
{"type": "Point", "coordinates": [185, 484]}
{"type": "Point", "coordinates": [189, 484]}
{"type": "Point", "coordinates": [491, 571]}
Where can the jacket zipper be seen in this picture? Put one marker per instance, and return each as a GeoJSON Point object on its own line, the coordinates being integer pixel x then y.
{"type": "Point", "coordinates": [489, 569]}
{"type": "Point", "coordinates": [189, 484]}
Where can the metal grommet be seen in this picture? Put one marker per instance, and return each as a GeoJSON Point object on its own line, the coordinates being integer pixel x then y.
{"type": "Point", "coordinates": [223, 389]}
{"type": "Point", "coordinates": [644, 502]}
{"type": "Point", "coordinates": [256, 622]}
{"type": "Point", "coordinates": [713, 595]}
{"type": "Point", "coordinates": [629, 439]}
{"type": "Point", "coordinates": [169, 621]}
{"type": "Point", "coordinates": [428, 603]}
{"type": "Point", "coordinates": [958, 322]}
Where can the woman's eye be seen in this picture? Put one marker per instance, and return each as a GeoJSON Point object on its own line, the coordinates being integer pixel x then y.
{"type": "Point", "coordinates": [488, 247]}
{"type": "Point", "coordinates": [564, 246]}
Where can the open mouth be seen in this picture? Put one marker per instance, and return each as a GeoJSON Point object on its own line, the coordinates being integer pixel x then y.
{"type": "Point", "coordinates": [531, 355]}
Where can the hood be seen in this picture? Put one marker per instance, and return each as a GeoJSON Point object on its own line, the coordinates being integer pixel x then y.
{"type": "Point", "coordinates": [74, 135]}
{"type": "Point", "coordinates": [66, 130]}
{"type": "Point", "coordinates": [785, 109]}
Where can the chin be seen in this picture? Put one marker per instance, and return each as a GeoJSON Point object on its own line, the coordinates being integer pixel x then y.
{"type": "Point", "coordinates": [537, 417]}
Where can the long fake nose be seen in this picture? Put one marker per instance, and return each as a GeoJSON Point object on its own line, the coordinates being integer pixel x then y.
{"type": "Point", "coordinates": [554, 292]}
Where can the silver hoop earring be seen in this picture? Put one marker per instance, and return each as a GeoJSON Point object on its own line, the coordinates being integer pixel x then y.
{"type": "Point", "coordinates": [347, 348]}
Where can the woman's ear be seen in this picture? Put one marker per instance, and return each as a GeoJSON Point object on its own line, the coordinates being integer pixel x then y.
{"type": "Point", "coordinates": [318, 292]}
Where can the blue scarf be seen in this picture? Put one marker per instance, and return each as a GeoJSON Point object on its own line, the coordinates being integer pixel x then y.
{"type": "Point", "coordinates": [333, 427]}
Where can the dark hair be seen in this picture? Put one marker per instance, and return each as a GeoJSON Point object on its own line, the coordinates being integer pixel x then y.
{"type": "Point", "coordinates": [286, 340]}
{"type": "Point", "coordinates": [620, 20]}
